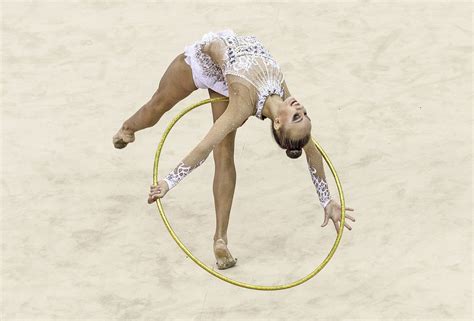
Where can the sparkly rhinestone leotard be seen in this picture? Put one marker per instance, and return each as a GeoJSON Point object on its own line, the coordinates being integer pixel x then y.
{"type": "Point", "coordinates": [243, 56]}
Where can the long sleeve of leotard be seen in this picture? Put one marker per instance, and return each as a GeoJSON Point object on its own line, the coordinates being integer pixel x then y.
{"type": "Point", "coordinates": [229, 121]}
{"type": "Point", "coordinates": [314, 160]}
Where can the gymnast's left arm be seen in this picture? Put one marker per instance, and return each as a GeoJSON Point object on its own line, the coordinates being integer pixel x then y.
{"type": "Point", "coordinates": [316, 170]}
{"type": "Point", "coordinates": [229, 121]}
{"type": "Point", "coordinates": [332, 209]}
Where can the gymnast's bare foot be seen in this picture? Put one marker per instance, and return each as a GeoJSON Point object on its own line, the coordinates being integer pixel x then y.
{"type": "Point", "coordinates": [123, 137]}
{"type": "Point", "coordinates": [223, 256]}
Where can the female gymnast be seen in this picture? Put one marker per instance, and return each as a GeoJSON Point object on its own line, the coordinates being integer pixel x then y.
{"type": "Point", "coordinates": [241, 68]}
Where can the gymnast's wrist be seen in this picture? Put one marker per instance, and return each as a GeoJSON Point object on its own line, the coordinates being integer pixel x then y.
{"type": "Point", "coordinates": [170, 183]}
{"type": "Point", "coordinates": [326, 203]}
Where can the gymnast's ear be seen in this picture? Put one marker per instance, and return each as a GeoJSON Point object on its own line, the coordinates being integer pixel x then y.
{"type": "Point", "coordinates": [277, 123]}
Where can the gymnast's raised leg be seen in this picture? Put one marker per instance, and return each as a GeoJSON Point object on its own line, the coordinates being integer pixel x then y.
{"type": "Point", "coordinates": [175, 85]}
{"type": "Point", "coordinates": [223, 187]}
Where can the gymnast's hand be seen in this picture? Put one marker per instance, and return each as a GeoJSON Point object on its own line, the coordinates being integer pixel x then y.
{"type": "Point", "coordinates": [333, 211]}
{"type": "Point", "coordinates": [158, 191]}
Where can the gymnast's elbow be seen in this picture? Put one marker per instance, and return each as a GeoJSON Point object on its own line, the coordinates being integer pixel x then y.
{"type": "Point", "coordinates": [237, 123]}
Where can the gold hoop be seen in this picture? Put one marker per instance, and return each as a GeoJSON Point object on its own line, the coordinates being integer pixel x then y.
{"type": "Point", "coordinates": [207, 268]}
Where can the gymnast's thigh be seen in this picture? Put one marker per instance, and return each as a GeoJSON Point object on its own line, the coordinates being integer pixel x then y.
{"type": "Point", "coordinates": [226, 147]}
{"type": "Point", "coordinates": [176, 83]}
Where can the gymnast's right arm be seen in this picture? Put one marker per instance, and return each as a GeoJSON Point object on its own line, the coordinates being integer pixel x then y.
{"type": "Point", "coordinates": [229, 121]}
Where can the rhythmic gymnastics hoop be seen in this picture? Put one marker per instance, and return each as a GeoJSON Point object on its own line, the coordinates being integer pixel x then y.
{"type": "Point", "coordinates": [207, 268]}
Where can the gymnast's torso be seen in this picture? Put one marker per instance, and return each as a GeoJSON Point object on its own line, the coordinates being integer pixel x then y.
{"type": "Point", "coordinates": [222, 59]}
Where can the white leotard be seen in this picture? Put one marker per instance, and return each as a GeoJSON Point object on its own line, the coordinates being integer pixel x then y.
{"type": "Point", "coordinates": [243, 56]}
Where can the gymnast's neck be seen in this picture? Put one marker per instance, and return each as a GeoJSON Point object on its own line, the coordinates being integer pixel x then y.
{"type": "Point", "coordinates": [272, 104]}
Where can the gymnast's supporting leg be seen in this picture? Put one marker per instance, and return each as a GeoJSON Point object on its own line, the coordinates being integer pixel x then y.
{"type": "Point", "coordinates": [223, 187]}
{"type": "Point", "coordinates": [175, 85]}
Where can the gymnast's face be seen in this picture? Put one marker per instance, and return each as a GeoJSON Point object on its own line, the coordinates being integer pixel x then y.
{"type": "Point", "coordinates": [293, 119]}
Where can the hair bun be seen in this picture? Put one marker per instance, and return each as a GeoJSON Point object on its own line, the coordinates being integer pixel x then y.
{"type": "Point", "coordinates": [293, 153]}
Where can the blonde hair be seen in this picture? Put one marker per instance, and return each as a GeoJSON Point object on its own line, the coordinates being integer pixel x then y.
{"type": "Point", "coordinates": [293, 146]}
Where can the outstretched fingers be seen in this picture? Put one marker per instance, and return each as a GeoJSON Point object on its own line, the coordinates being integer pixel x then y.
{"type": "Point", "coordinates": [326, 220]}
{"type": "Point", "coordinates": [350, 217]}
